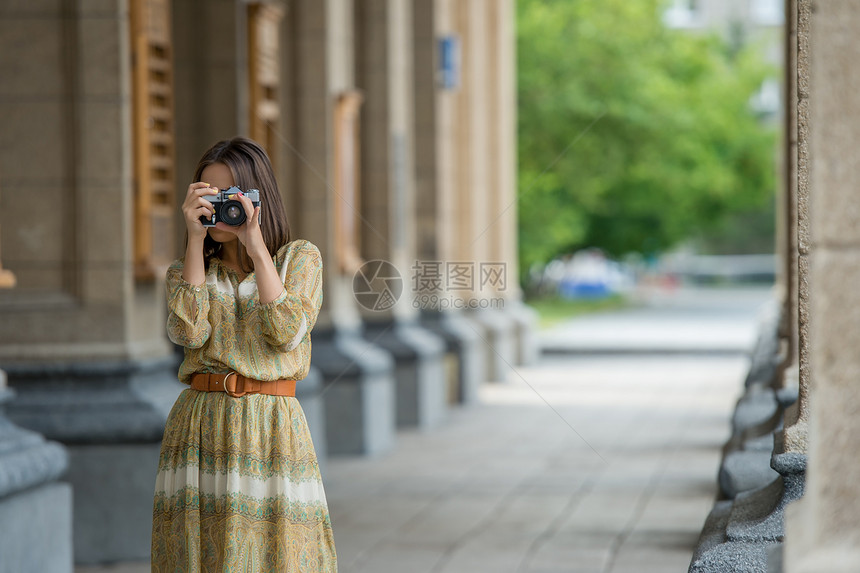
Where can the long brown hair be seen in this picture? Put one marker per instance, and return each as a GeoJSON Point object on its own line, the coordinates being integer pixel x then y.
{"type": "Point", "coordinates": [251, 169]}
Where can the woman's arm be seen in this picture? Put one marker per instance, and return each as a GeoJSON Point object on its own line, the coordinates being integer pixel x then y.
{"type": "Point", "coordinates": [194, 207]}
{"type": "Point", "coordinates": [187, 297]}
{"type": "Point", "coordinates": [288, 319]}
{"type": "Point", "coordinates": [194, 270]}
{"type": "Point", "coordinates": [269, 285]}
{"type": "Point", "coordinates": [188, 309]}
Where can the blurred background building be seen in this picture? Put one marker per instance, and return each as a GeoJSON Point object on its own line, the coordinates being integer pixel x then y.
{"type": "Point", "coordinates": [740, 21]}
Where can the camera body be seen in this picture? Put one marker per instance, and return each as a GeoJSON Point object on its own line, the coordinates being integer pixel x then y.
{"type": "Point", "coordinates": [228, 208]}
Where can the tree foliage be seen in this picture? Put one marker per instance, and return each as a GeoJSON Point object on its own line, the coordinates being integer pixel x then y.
{"type": "Point", "coordinates": [632, 136]}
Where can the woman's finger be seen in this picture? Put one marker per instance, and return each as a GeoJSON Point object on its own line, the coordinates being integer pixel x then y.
{"type": "Point", "coordinates": [199, 192]}
{"type": "Point", "coordinates": [196, 187]}
{"type": "Point", "coordinates": [247, 204]}
{"type": "Point", "coordinates": [252, 211]}
{"type": "Point", "coordinates": [192, 207]}
{"type": "Point", "coordinates": [202, 202]}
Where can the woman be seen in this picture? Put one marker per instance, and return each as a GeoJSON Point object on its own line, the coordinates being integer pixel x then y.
{"type": "Point", "coordinates": [238, 486]}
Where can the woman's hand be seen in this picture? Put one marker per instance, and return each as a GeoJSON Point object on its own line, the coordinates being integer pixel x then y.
{"type": "Point", "coordinates": [248, 233]}
{"type": "Point", "coordinates": [196, 206]}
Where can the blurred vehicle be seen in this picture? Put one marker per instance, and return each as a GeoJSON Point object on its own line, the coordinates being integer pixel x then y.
{"type": "Point", "coordinates": [588, 274]}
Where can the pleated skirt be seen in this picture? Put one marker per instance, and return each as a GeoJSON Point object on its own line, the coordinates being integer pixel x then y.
{"type": "Point", "coordinates": [239, 490]}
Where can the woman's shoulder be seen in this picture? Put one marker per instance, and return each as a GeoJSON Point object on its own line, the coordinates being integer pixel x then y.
{"type": "Point", "coordinates": [295, 248]}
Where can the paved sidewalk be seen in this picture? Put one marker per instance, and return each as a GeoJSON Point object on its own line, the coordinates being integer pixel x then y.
{"type": "Point", "coordinates": [511, 485]}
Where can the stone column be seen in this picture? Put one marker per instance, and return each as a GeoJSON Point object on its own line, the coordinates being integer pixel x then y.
{"type": "Point", "coordinates": [786, 239]}
{"type": "Point", "coordinates": [797, 370]}
{"type": "Point", "coordinates": [358, 384]}
{"type": "Point", "coordinates": [435, 199]}
{"type": "Point", "coordinates": [823, 530]}
{"type": "Point", "coordinates": [472, 183]}
{"type": "Point", "coordinates": [501, 232]}
{"type": "Point", "coordinates": [82, 343]}
{"type": "Point", "coordinates": [384, 67]}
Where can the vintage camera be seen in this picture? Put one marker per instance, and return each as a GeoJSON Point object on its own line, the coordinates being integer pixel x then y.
{"type": "Point", "coordinates": [228, 208]}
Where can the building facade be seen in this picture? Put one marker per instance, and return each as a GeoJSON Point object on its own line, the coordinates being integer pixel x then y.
{"type": "Point", "coordinates": [391, 125]}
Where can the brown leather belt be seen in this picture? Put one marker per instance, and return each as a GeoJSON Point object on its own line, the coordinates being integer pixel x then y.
{"type": "Point", "coordinates": [237, 385]}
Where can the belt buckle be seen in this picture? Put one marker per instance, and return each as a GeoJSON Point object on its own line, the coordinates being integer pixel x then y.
{"type": "Point", "coordinates": [232, 393]}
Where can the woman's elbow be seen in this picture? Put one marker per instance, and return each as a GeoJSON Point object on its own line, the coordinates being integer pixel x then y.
{"type": "Point", "coordinates": [284, 341]}
{"type": "Point", "coordinates": [186, 341]}
{"type": "Point", "coordinates": [183, 336]}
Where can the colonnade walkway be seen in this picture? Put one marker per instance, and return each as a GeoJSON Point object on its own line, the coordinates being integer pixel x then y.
{"type": "Point", "coordinates": [599, 459]}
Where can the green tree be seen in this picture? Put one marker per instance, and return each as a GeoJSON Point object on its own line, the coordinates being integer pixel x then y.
{"type": "Point", "coordinates": [632, 136]}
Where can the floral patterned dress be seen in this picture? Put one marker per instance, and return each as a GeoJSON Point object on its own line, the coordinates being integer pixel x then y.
{"type": "Point", "coordinates": [238, 486]}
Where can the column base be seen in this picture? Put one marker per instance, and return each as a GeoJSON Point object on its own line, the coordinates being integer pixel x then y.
{"type": "Point", "coordinates": [465, 347]}
{"type": "Point", "coordinates": [111, 418]}
{"type": "Point", "coordinates": [747, 456]}
{"type": "Point", "coordinates": [35, 509]}
{"type": "Point", "coordinates": [758, 516]}
{"type": "Point", "coordinates": [496, 331]}
{"type": "Point", "coordinates": [36, 529]}
{"type": "Point", "coordinates": [739, 535]}
{"type": "Point", "coordinates": [745, 470]}
{"type": "Point", "coordinates": [113, 485]}
{"type": "Point", "coordinates": [765, 356]}
{"type": "Point", "coordinates": [525, 319]}
{"type": "Point", "coordinates": [358, 393]}
{"type": "Point", "coordinates": [94, 403]}
{"type": "Point", "coordinates": [420, 388]}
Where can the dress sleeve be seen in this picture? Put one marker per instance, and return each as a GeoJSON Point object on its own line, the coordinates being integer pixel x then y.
{"type": "Point", "coordinates": [188, 309]}
{"type": "Point", "coordinates": [288, 319]}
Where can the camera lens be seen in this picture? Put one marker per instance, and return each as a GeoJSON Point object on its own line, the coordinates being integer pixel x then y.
{"type": "Point", "coordinates": [232, 213]}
